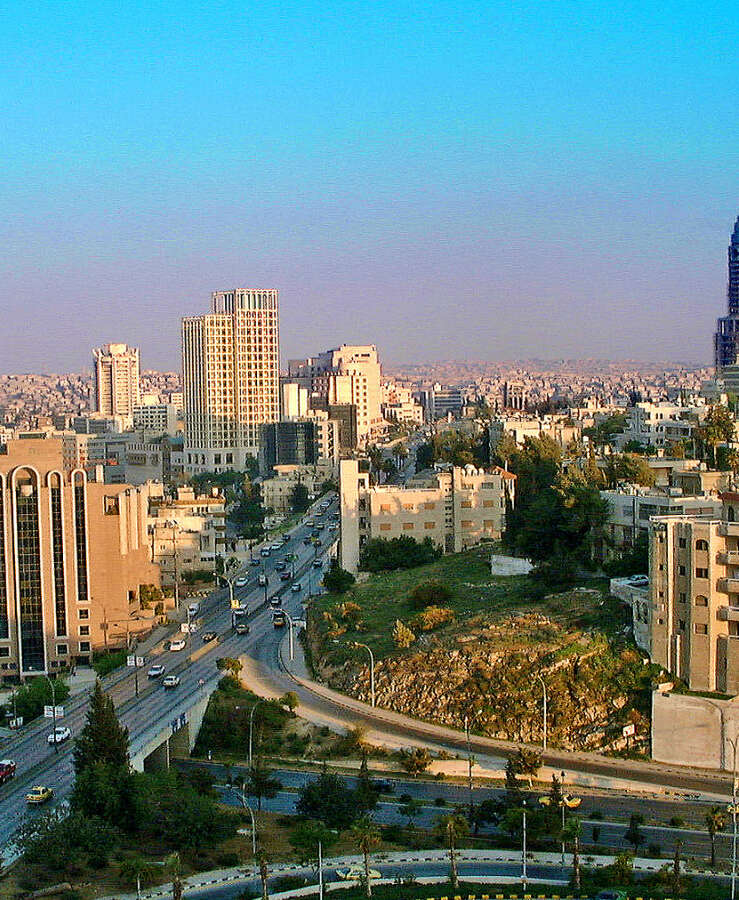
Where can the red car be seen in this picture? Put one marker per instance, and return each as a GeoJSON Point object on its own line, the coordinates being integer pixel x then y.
{"type": "Point", "coordinates": [7, 770]}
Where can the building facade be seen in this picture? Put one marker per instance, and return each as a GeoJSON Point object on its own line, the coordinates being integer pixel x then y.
{"type": "Point", "coordinates": [230, 364]}
{"type": "Point", "coordinates": [453, 506]}
{"type": "Point", "coordinates": [726, 339]}
{"type": "Point", "coordinates": [116, 379]}
{"type": "Point", "coordinates": [348, 375]}
{"type": "Point", "coordinates": [694, 597]}
{"type": "Point", "coordinates": [73, 556]}
{"type": "Point", "coordinates": [288, 443]}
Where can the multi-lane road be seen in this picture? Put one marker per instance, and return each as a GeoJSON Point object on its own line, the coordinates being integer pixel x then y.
{"type": "Point", "coordinates": [37, 761]}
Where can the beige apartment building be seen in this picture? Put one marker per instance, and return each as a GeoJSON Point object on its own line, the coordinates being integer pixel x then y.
{"type": "Point", "coordinates": [349, 375]}
{"type": "Point", "coordinates": [116, 380]}
{"type": "Point", "coordinates": [277, 491]}
{"type": "Point", "coordinates": [694, 597]}
{"type": "Point", "coordinates": [230, 365]}
{"type": "Point", "coordinates": [187, 532]}
{"type": "Point", "coordinates": [455, 507]}
{"type": "Point", "coordinates": [73, 557]}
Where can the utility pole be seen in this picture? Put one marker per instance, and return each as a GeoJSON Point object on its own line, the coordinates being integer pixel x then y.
{"type": "Point", "coordinates": [544, 689]}
{"type": "Point", "coordinates": [523, 847]}
{"type": "Point", "coordinates": [320, 871]}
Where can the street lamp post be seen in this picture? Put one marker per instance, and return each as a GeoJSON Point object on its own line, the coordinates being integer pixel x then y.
{"type": "Point", "coordinates": [290, 642]}
{"type": "Point", "coordinates": [251, 725]}
{"type": "Point", "coordinates": [733, 810]}
{"type": "Point", "coordinates": [523, 847]}
{"type": "Point", "coordinates": [372, 666]}
{"type": "Point", "coordinates": [563, 817]}
{"type": "Point", "coordinates": [469, 764]}
{"type": "Point", "coordinates": [242, 796]}
{"type": "Point", "coordinates": [544, 689]}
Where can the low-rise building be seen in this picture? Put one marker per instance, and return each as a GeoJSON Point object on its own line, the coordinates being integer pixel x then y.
{"type": "Point", "coordinates": [453, 506]}
{"type": "Point", "coordinates": [277, 491]}
{"type": "Point", "coordinates": [187, 532]}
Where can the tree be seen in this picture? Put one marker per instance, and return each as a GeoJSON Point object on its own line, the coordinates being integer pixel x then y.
{"type": "Point", "coordinates": [380, 555]}
{"type": "Point", "coordinates": [451, 828]}
{"type": "Point", "coordinates": [337, 580]}
{"type": "Point", "coordinates": [229, 664]}
{"type": "Point", "coordinates": [571, 835]}
{"type": "Point", "coordinates": [31, 697]}
{"type": "Point", "coordinates": [717, 427]}
{"type": "Point", "coordinates": [633, 834]}
{"type": "Point", "coordinates": [290, 700]}
{"type": "Point", "coordinates": [366, 793]}
{"type": "Point", "coordinates": [715, 822]}
{"type": "Point", "coordinates": [307, 836]}
{"type": "Point", "coordinates": [629, 467]}
{"type": "Point", "coordinates": [173, 865]}
{"type": "Point", "coordinates": [136, 871]}
{"type": "Point", "coordinates": [527, 762]}
{"type": "Point", "coordinates": [260, 784]}
{"type": "Point", "coordinates": [415, 761]}
{"type": "Point", "coordinates": [366, 836]}
{"type": "Point", "coordinates": [102, 769]}
{"type": "Point", "coordinates": [410, 807]}
{"type": "Point", "coordinates": [299, 498]}
{"type": "Point", "coordinates": [328, 799]}
{"type": "Point", "coordinates": [514, 796]}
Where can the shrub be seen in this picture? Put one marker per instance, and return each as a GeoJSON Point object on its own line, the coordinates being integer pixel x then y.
{"type": "Point", "coordinates": [403, 552]}
{"type": "Point", "coordinates": [432, 617]}
{"type": "Point", "coordinates": [676, 822]}
{"type": "Point", "coordinates": [402, 635]}
{"type": "Point", "coordinates": [228, 860]}
{"type": "Point", "coordinates": [429, 593]}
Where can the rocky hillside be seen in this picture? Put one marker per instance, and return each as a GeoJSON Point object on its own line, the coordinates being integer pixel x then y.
{"type": "Point", "coordinates": [486, 665]}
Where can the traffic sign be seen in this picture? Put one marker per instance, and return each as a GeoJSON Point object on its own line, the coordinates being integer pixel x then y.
{"type": "Point", "coordinates": [51, 713]}
{"type": "Point", "coordinates": [628, 730]}
{"type": "Point", "coordinates": [16, 722]}
{"type": "Point", "coordinates": [135, 661]}
{"type": "Point", "coordinates": [235, 603]}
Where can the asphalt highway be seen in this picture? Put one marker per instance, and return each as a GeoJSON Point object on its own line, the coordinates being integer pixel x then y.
{"type": "Point", "coordinates": [37, 761]}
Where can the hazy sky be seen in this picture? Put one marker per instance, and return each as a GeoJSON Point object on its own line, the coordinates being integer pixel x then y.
{"type": "Point", "coordinates": [472, 180]}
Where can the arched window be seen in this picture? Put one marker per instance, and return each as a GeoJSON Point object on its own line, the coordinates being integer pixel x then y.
{"type": "Point", "coordinates": [701, 545]}
{"type": "Point", "coordinates": [700, 600]}
{"type": "Point", "coordinates": [730, 514]}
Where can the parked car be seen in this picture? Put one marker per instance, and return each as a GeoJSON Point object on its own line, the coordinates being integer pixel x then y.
{"type": "Point", "coordinates": [171, 681]}
{"type": "Point", "coordinates": [383, 785]}
{"type": "Point", "coordinates": [59, 735]}
{"type": "Point", "coordinates": [39, 794]}
{"type": "Point", "coordinates": [7, 770]}
{"type": "Point", "coordinates": [178, 644]}
{"type": "Point", "coordinates": [209, 636]}
{"type": "Point", "coordinates": [155, 671]}
{"type": "Point", "coordinates": [356, 873]}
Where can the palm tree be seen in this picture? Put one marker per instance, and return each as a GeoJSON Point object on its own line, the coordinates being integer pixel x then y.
{"type": "Point", "coordinates": [367, 837]}
{"type": "Point", "coordinates": [451, 828]}
{"type": "Point", "coordinates": [174, 867]}
{"type": "Point", "coordinates": [715, 822]}
{"type": "Point", "coordinates": [571, 835]}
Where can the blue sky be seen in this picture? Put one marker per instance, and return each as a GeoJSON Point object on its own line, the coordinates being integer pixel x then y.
{"type": "Point", "coordinates": [476, 181]}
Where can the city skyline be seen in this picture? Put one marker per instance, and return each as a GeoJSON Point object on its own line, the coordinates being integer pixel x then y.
{"type": "Point", "coordinates": [541, 192]}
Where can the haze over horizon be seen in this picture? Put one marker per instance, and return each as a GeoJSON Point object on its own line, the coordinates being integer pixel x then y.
{"type": "Point", "coordinates": [472, 181]}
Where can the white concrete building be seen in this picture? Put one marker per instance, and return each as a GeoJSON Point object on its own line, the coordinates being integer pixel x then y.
{"type": "Point", "coordinates": [116, 388]}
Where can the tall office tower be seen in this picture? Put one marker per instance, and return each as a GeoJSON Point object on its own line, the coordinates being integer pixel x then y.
{"type": "Point", "coordinates": [230, 367]}
{"type": "Point", "coordinates": [347, 376]}
{"type": "Point", "coordinates": [116, 389]}
{"type": "Point", "coordinates": [726, 339]}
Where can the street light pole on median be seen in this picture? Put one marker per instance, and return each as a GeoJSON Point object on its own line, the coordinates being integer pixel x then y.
{"type": "Point", "coordinates": [372, 665]}
{"type": "Point", "coordinates": [242, 797]}
{"type": "Point", "coordinates": [523, 847]}
{"type": "Point", "coordinates": [733, 810]}
{"type": "Point", "coordinates": [544, 689]}
{"type": "Point", "coordinates": [251, 725]}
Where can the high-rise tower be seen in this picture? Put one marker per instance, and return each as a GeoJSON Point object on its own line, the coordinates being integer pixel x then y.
{"type": "Point", "coordinates": [116, 379]}
{"type": "Point", "coordinates": [230, 367]}
{"type": "Point", "coordinates": [726, 339]}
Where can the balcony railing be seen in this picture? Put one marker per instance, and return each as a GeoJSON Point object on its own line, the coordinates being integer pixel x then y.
{"type": "Point", "coordinates": [729, 529]}
{"type": "Point", "coordinates": [728, 613]}
{"type": "Point", "coordinates": [728, 585]}
{"type": "Point", "coordinates": [729, 557]}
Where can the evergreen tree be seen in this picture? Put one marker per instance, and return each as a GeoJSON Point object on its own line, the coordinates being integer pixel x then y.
{"type": "Point", "coordinates": [366, 793]}
{"type": "Point", "coordinates": [103, 740]}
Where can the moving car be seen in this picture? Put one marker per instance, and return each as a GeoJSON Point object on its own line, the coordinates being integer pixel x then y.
{"type": "Point", "coordinates": [60, 734]}
{"type": "Point", "coordinates": [356, 873]}
{"type": "Point", "coordinates": [262, 580]}
{"type": "Point", "coordinates": [275, 602]}
{"type": "Point", "coordinates": [241, 628]}
{"type": "Point", "coordinates": [278, 619]}
{"type": "Point", "coordinates": [265, 551]}
{"type": "Point", "coordinates": [193, 609]}
{"type": "Point", "coordinates": [171, 681]}
{"type": "Point", "coordinates": [209, 636]}
{"type": "Point", "coordinates": [317, 564]}
{"type": "Point", "coordinates": [307, 541]}
{"type": "Point", "coordinates": [383, 785]}
{"type": "Point", "coordinates": [242, 582]}
{"type": "Point", "coordinates": [155, 671]}
{"type": "Point", "coordinates": [297, 587]}
{"type": "Point", "coordinates": [280, 566]}
{"type": "Point", "coordinates": [7, 770]}
{"type": "Point", "coordinates": [179, 644]}
{"type": "Point", "coordinates": [39, 794]}
{"type": "Point", "coordinates": [254, 562]}
{"type": "Point", "coordinates": [285, 576]}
